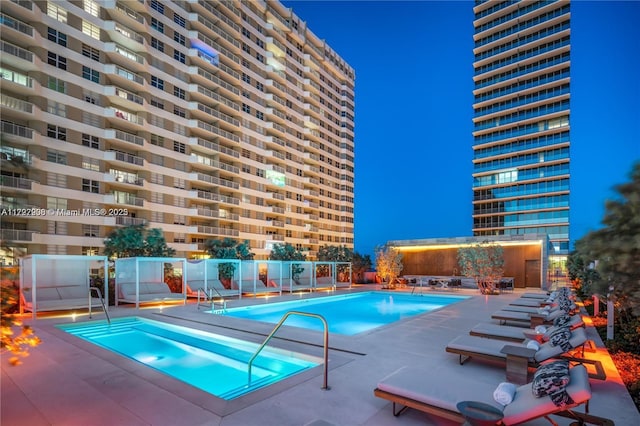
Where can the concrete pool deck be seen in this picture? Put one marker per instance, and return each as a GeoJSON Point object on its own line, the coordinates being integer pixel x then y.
{"type": "Point", "coordinates": [67, 381]}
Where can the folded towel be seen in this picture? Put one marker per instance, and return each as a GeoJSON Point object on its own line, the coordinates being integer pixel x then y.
{"type": "Point", "coordinates": [504, 393]}
{"type": "Point", "coordinates": [532, 344]}
{"type": "Point", "coordinates": [540, 329]}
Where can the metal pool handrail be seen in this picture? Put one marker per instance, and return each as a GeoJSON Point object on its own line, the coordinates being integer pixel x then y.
{"type": "Point", "coordinates": [104, 308]}
{"type": "Point", "coordinates": [325, 385]}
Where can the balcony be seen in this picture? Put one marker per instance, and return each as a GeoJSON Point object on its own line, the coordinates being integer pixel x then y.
{"type": "Point", "coordinates": [16, 104]}
{"type": "Point", "coordinates": [217, 147]}
{"type": "Point", "coordinates": [15, 235]}
{"type": "Point", "coordinates": [16, 182]}
{"type": "Point", "coordinates": [217, 197]}
{"type": "Point", "coordinates": [214, 230]}
{"type": "Point", "coordinates": [129, 221]}
{"type": "Point", "coordinates": [124, 156]}
{"type": "Point", "coordinates": [15, 24]}
{"type": "Point", "coordinates": [128, 137]}
{"type": "Point", "coordinates": [16, 51]}
{"type": "Point", "coordinates": [126, 198]}
{"type": "Point", "coordinates": [15, 77]}
{"type": "Point", "coordinates": [217, 181]}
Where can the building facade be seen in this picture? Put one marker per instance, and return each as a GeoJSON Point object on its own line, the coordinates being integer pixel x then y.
{"type": "Point", "coordinates": [521, 121]}
{"type": "Point", "coordinates": [208, 119]}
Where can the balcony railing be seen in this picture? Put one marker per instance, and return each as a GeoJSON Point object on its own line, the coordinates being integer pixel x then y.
{"type": "Point", "coordinates": [16, 104]}
{"type": "Point", "coordinates": [14, 50]}
{"type": "Point", "coordinates": [15, 77]}
{"type": "Point", "coordinates": [17, 25]}
{"type": "Point", "coordinates": [128, 137]}
{"type": "Point", "coordinates": [16, 182]}
{"type": "Point", "coordinates": [16, 235]}
{"type": "Point", "coordinates": [128, 221]}
{"type": "Point", "coordinates": [129, 158]}
{"type": "Point", "coordinates": [17, 130]}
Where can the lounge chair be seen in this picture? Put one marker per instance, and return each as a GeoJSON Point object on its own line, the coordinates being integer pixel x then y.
{"type": "Point", "coordinates": [438, 392]}
{"type": "Point", "coordinates": [523, 301]}
{"type": "Point", "coordinates": [515, 334]}
{"type": "Point", "coordinates": [517, 356]}
{"type": "Point", "coordinates": [526, 319]}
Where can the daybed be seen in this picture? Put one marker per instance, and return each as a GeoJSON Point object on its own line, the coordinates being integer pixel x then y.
{"type": "Point", "coordinates": [438, 391]}
{"type": "Point", "coordinates": [302, 271]}
{"type": "Point", "coordinates": [203, 276]}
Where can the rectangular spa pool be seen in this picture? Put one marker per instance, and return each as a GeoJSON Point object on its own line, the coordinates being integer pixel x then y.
{"type": "Point", "coordinates": [347, 314]}
{"type": "Point", "coordinates": [213, 363]}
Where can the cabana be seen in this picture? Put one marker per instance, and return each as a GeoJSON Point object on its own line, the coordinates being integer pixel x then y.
{"type": "Point", "coordinates": [60, 282]}
{"type": "Point", "coordinates": [332, 274]}
{"type": "Point", "coordinates": [142, 280]}
{"type": "Point", "coordinates": [343, 274]}
{"type": "Point", "coordinates": [204, 275]}
{"type": "Point", "coordinates": [261, 276]}
{"type": "Point", "coordinates": [298, 275]}
{"type": "Point", "coordinates": [324, 275]}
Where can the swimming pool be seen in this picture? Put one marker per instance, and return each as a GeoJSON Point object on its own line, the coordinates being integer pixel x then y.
{"type": "Point", "coordinates": [214, 363]}
{"type": "Point", "coordinates": [348, 314]}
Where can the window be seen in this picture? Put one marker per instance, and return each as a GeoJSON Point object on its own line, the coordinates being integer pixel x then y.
{"type": "Point", "coordinates": [57, 85]}
{"type": "Point", "coordinates": [157, 44]}
{"type": "Point", "coordinates": [178, 19]}
{"type": "Point", "coordinates": [157, 25]}
{"type": "Point", "coordinates": [92, 98]}
{"type": "Point", "coordinates": [246, 108]}
{"type": "Point", "coordinates": [179, 38]}
{"type": "Point", "coordinates": [90, 74]}
{"type": "Point", "coordinates": [158, 103]}
{"type": "Point", "coordinates": [90, 141]}
{"type": "Point", "coordinates": [180, 112]}
{"type": "Point", "coordinates": [179, 56]}
{"type": "Point", "coordinates": [57, 60]}
{"type": "Point", "coordinates": [91, 30]}
{"type": "Point", "coordinates": [90, 52]}
{"type": "Point", "coordinates": [91, 7]}
{"type": "Point", "coordinates": [56, 156]}
{"type": "Point", "coordinates": [260, 115]}
{"type": "Point", "coordinates": [90, 251]}
{"type": "Point", "coordinates": [178, 92]}
{"type": "Point", "coordinates": [179, 147]}
{"type": "Point", "coordinates": [260, 43]}
{"type": "Point", "coordinates": [246, 78]}
{"type": "Point", "coordinates": [89, 163]}
{"type": "Point", "coordinates": [260, 58]}
{"type": "Point", "coordinates": [56, 12]}
{"type": "Point", "coordinates": [246, 33]}
{"type": "Point", "coordinates": [56, 108]}
{"type": "Point", "coordinates": [259, 86]}
{"type": "Point", "coordinates": [157, 82]}
{"type": "Point", "coordinates": [246, 47]}
{"type": "Point", "coordinates": [92, 186]}
{"type": "Point", "coordinates": [57, 37]}
{"type": "Point", "coordinates": [157, 140]}
{"type": "Point", "coordinates": [57, 132]}
{"type": "Point", "coordinates": [157, 6]}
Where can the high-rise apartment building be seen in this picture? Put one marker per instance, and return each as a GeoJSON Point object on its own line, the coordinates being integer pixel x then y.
{"type": "Point", "coordinates": [208, 119]}
{"type": "Point", "coordinates": [521, 120]}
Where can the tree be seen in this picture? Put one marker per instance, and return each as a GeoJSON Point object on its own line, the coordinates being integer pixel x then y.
{"type": "Point", "coordinates": [337, 254]}
{"type": "Point", "coordinates": [17, 344]}
{"type": "Point", "coordinates": [136, 241]}
{"type": "Point", "coordinates": [582, 272]}
{"type": "Point", "coordinates": [388, 263]}
{"type": "Point", "coordinates": [228, 248]}
{"type": "Point", "coordinates": [615, 248]}
{"type": "Point", "coordinates": [484, 262]}
{"type": "Point", "coordinates": [359, 265]}
{"type": "Point", "coordinates": [287, 252]}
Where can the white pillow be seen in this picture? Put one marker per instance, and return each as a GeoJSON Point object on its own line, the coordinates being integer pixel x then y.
{"type": "Point", "coordinates": [540, 329]}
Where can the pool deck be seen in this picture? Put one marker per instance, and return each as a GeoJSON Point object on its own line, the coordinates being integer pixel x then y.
{"type": "Point", "coordinates": [67, 381]}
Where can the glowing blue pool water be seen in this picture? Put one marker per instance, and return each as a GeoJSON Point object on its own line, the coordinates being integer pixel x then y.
{"type": "Point", "coordinates": [214, 363]}
{"type": "Point", "coordinates": [347, 314]}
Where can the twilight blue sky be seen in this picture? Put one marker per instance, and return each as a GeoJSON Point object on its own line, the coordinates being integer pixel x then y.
{"type": "Point", "coordinates": [413, 62]}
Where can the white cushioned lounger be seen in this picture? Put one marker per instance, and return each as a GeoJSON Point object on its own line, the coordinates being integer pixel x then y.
{"type": "Point", "coordinates": [543, 296]}
{"type": "Point", "coordinates": [523, 301]}
{"type": "Point", "coordinates": [490, 348]}
{"type": "Point", "coordinates": [437, 391]}
{"type": "Point", "coordinates": [513, 333]}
